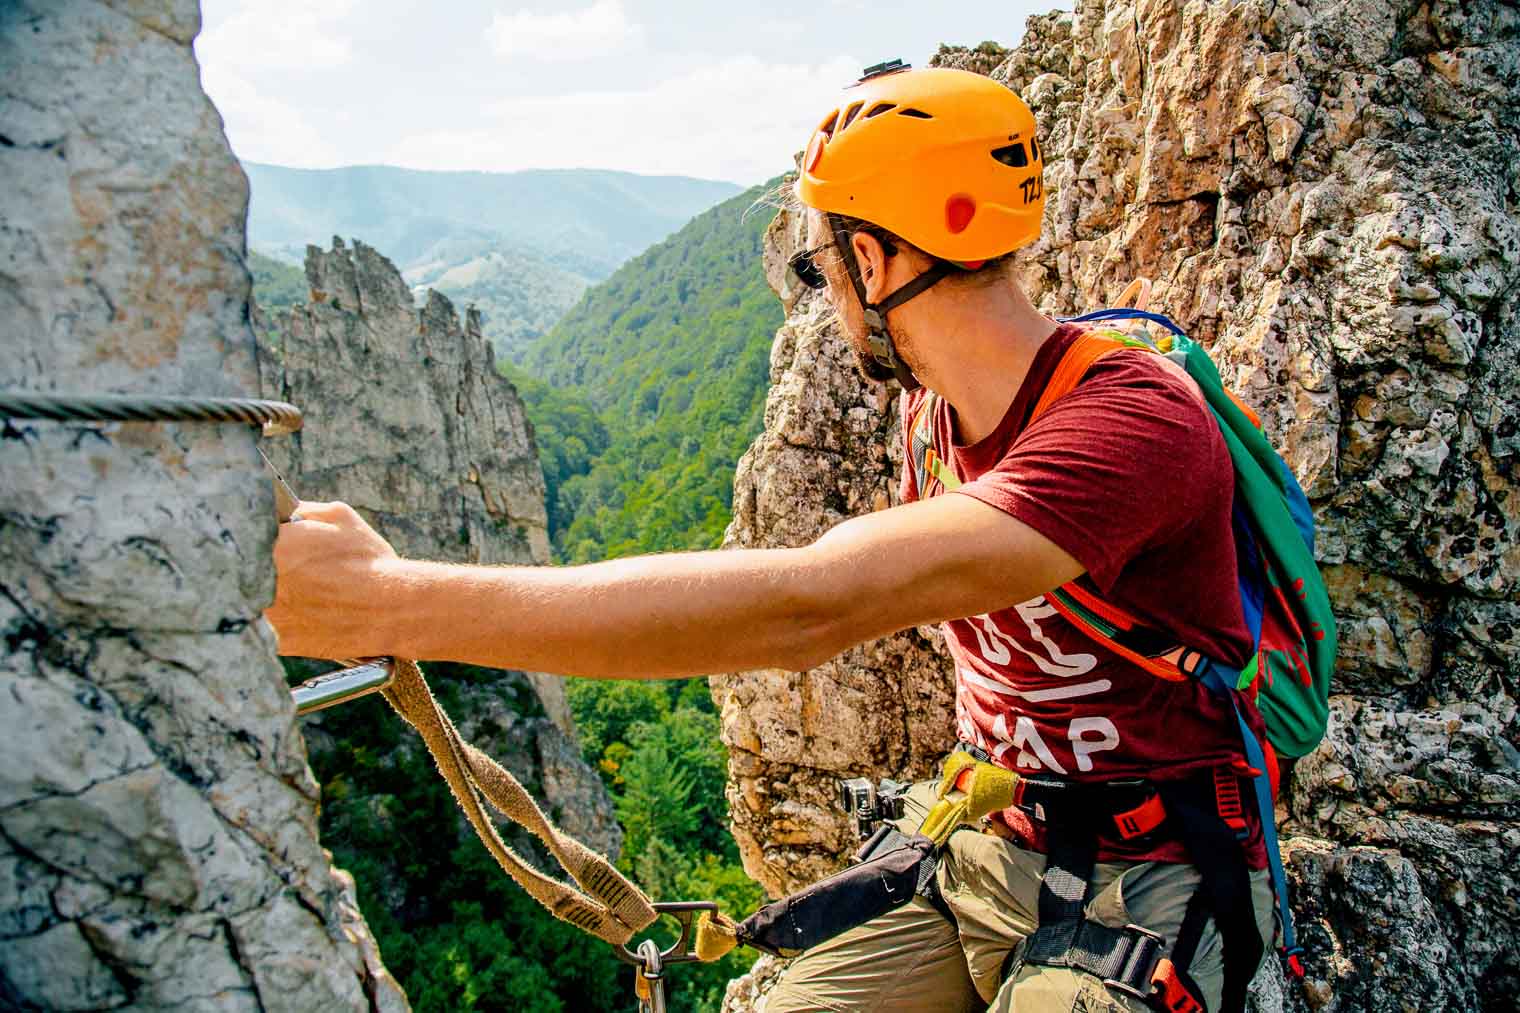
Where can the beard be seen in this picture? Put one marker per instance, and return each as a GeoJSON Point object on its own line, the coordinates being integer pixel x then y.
{"type": "Point", "coordinates": [871, 369]}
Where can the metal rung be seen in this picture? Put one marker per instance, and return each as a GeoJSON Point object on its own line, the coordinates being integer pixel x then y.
{"type": "Point", "coordinates": [342, 686]}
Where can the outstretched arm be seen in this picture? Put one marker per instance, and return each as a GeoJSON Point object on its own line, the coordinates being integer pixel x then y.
{"type": "Point", "coordinates": [343, 593]}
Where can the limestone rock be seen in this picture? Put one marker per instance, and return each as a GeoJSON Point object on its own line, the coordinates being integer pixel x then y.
{"type": "Point", "coordinates": [158, 844]}
{"type": "Point", "coordinates": [1325, 194]}
{"type": "Point", "coordinates": [746, 993]}
{"type": "Point", "coordinates": [407, 418]}
{"type": "Point", "coordinates": [407, 421]}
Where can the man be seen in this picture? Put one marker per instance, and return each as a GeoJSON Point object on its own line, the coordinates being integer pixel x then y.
{"type": "Point", "coordinates": [918, 188]}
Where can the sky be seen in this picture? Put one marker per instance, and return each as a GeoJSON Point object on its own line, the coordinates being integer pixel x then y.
{"type": "Point", "coordinates": [717, 90]}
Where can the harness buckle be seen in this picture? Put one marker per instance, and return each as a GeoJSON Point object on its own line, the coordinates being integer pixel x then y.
{"type": "Point", "coordinates": [1139, 964]}
{"type": "Point", "coordinates": [1227, 800]}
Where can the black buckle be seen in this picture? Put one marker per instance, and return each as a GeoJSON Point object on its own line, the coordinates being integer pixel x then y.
{"type": "Point", "coordinates": [683, 950]}
{"type": "Point", "coordinates": [1081, 799]}
{"type": "Point", "coordinates": [1145, 952]}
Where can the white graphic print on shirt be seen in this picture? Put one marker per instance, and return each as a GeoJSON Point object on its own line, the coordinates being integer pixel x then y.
{"type": "Point", "coordinates": [1086, 734]}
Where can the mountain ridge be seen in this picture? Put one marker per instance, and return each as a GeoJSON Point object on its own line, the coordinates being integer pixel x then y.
{"type": "Point", "coordinates": [407, 205]}
{"type": "Point", "coordinates": [522, 246]}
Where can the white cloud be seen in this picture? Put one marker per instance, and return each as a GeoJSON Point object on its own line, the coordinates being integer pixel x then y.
{"type": "Point", "coordinates": [573, 35]}
{"type": "Point", "coordinates": [740, 120]}
{"type": "Point", "coordinates": [261, 128]}
{"type": "Point", "coordinates": [249, 52]}
{"type": "Point", "coordinates": [263, 35]}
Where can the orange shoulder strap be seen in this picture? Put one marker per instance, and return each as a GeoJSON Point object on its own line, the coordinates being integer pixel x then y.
{"type": "Point", "coordinates": [1105, 622]}
{"type": "Point", "coordinates": [1082, 353]}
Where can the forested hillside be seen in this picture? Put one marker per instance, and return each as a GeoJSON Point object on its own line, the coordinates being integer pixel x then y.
{"type": "Point", "coordinates": [277, 285]}
{"type": "Point", "coordinates": [643, 398]}
{"type": "Point", "coordinates": [671, 354]}
{"type": "Point", "coordinates": [519, 297]}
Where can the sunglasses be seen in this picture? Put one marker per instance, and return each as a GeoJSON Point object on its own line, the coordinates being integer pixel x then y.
{"type": "Point", "coordinates": [806, 268]}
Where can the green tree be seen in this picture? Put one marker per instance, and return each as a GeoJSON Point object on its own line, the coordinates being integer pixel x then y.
{"type": "Point", "coordinates": [277, 286]}
{"type": "Point", "coordinates": [455, 931]}
{"type": "Point", "coordinates": [672, 353]}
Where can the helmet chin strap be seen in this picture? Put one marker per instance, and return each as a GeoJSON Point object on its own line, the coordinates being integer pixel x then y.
{"type": "Point", "coordinates": [878, 335]}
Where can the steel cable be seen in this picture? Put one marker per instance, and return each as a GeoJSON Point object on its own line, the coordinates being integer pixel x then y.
{"type": "Point", "coordinates": [277, 417]}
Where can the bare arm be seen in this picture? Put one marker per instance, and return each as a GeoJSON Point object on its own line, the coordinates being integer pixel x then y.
{"type": "Point", "coordinates": [344, 593]}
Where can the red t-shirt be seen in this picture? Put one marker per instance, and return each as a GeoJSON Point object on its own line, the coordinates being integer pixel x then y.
{"type": "Point", "coordinates": [1129, 475]}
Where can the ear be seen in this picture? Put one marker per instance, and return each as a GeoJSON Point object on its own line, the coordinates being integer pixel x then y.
{"type": "Point", "coordinates": [873, 265]}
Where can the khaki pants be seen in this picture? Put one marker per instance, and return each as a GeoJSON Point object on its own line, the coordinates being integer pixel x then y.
{"type": "Point", "coordinates": [913, 959]}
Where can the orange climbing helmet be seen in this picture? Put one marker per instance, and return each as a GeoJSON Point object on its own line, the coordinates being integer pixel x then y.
{"type": "Point", "coordinates": [946, 159]}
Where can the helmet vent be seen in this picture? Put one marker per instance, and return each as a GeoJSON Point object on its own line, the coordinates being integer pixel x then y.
{"type": "Point", "coordinates": [1013, 155]}
{"type": "Point", "coordinates": [1034, 148]}
{"type": "Point", "coordinates": [918, 114]}
{"type": "Point", "coordinates": [827, 126]}
{"type": "Point", "coordinates": [881, 107]}
{"type": "Point", "coordinates": [850, 114]}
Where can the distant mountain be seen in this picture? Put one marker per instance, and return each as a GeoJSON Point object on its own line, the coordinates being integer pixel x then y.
{"type": "Point", "coordinates": [519, 297]}
{"type": "Point", "coordinates": [521, 245]}
{"type": "Point", "coordinates": [672, 354]}
{"type": "Point", "coordinates": [586, 221]}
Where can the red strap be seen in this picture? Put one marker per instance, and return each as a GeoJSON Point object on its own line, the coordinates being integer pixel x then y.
{"type": "Point", "coordinates": [1227, 800]}
{"type": "Point", "coordinates": [1107, 610]}
{"type": "Point", "coordinates": [1142, 819]}
{"type": "Point", "coordinates": [1165, 667]}
{"type": "Point", "coordinates": [1171, 994]}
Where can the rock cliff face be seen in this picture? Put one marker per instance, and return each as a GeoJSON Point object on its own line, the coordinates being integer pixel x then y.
{"type": "Point", "coordinates": [158, 844]}
{"type": "Point", "coordinates": [407, 420]}
{"type": "Point", "coordinates": [1326, 195]}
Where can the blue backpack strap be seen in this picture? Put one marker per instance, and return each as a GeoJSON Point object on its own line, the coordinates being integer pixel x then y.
{"type": "Point", "coordinates": [1222, 681]}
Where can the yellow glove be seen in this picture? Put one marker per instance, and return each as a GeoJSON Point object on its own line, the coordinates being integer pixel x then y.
{"type": "Point", "coordinates": [986, 789]}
